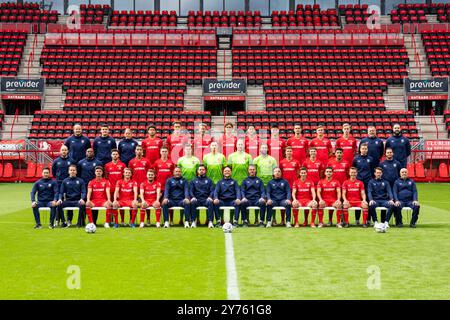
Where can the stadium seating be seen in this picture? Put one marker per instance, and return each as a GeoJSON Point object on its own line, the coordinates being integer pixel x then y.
{"type": "Point", "coordinates": [410, 13]}
{"type": "Point", "coordinates": [224, 19]}
{"type": "Point", "coordinates": [332, 121]}
{"type": "Point", "coordinates": [28, 12]}
{"type": "Point", "coordinates": [306, 15]}
{"type": "Point", "coordinates": [411, 170]}
{"type": "Point", "coordinates": [8, 170]}
{"type": "Point", "coordinates": [2, 117]}
{"type": "Point", "coordinates": [138, 18]}
{"type": "Point", "coordinates": [93, 14]}
{"type": "Point", "coordinates": [31, 170]}
{"type": "Point", "coordinates": [354, 14]}
{"type": "Point", "coordinates": [437, 47]}
{"type": "Point", "coordinates": [443, 173]}
{"type": "Point", "coordinates": [11, 48]}
{"type": "Point", "coordinates": [420, 172]}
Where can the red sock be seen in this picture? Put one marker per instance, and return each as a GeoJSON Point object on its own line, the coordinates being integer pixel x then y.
{"type": "Point", "coordinates": [346, 216]}
{"type": "Point", "coordinates": [313, 216]}
{"type": "Point", "coordinates": [142, 215]}
{"type": "Point", "coordinates": [116, 216]}
{"type": "Point", "coordinates": [320, 215]}
{"type": "Point", "coordinates": [158, 215]}
{"type": "Point", "coordinates": [306, 213]}
{"type": "Point", "coordinates": [89, 214]}
{"type": "Point", "coordinates": [295, 213]}
{"type": "Point", "coordinates": [108, 215]}
{"type": "Point", "coordinates": [338, 216]}
{"type": "Point", "coordinates": [133, 215]}
{"type": "Point", "coordinates": [122, 216]}
{"type": "Point", "coordinates": [365, 214]}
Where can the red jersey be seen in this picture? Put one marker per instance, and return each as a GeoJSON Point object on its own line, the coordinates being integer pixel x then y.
{"type": "Point", "coordinates": [303, 190]}
{"type": "Point", "coordinates": [114, 172]}
{"type": "Point", "coordinates": [349, 146]}
{"type": "Point", "coordinates": [99, 189]}
{"type": "Point", "coordinates": [126, 192]}
{"type": "Point", "coordinates": [353, 190]}
{"type": "Point", "coordinates": [176, 143]}
{"type": "Point", "coordinates": [299, 147]}
{"type": "Point", "coordinates": [323, 148]}
{"type": "Point", "coordinates": [289, 170]}
{"type": "Point", "coordinates": [139, 167]}
{"type": "Point", "coordinates": [151, 148]}
{"type": "Point", "coordinates": [252, 146]}
{"type": "Point", "coordinates": [164, 171]}
{"type": "Point", "coordinates": [150, 191]}
{"type": "Point", "coordinates": [276, 147]}
{"type": "Point", "coordinates": [201, 145]}
{"type": "Point", "coordinates": [340, 169]}
{"type": "Point", "coordinates": [329, 189]}
{"type": "Point", "coordinates": [314, 170]}
{"type": "Point", "coordinates": [228, 145]}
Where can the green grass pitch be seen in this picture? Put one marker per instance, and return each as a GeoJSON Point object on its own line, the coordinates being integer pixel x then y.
{"type": "Point", "coordinates": [178, 263]}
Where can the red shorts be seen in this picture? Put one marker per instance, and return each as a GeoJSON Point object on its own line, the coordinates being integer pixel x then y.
{"type": "Point", "coordinates": [150, 201]}
{"type": "Point", "coordinates": [99, 202]}
{"type": "Point", "coordinates": [356, 204]}
{"type": "Point", "coordinates": [329, 202]}
{"type": "Point", "coordinates": [126, 203]}
{"type": "Point", "coordinates": [304, 203]}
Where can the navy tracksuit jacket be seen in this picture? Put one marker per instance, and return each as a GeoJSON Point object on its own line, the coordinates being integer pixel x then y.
{"type": "Point", "coordinates": [47, 191]}
{"type": "Point", "coordinates": [176, 190]}
{"type": "Point", "coordinates": [252, 189]}
{"type": "Point", "coordinates": [77, 147]}
{"type": "Point", "coordinates": [401, 147]}
{"type": "Point", "coordinates": [86, 169]}
{"type": "Point", "coordinates": [102, 148]}
{"type": "Point", "coordinates": [405, 191]}
{"type": "Point", "coordinates": [376, 149]}
{"type": "Point", "coordinates": [127, 149]}
{"type": "Point", "coordinates": [379, 190]}
{"type": "Point", "coordinates": [201, 188]}
{"type": "Point", "coordinates": [391, 170]}
{"type": "Point", "coordinates": [227, 191]}
{"type": "Point", "coordinates": [278, 190]}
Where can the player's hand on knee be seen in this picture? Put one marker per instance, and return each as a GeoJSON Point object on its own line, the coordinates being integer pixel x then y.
{"type": "Point", "coordinates": [244, 200]}
{"type": "Point", "coordinates": [116, 204]}
{"type": "Point", "coordinates": [237, 201]}
{"type": "Point", "coordinates": [186, 201]}
{"type": "Point", "coordinates": [346, 204]}
{"type": "Point", "coordinates": [295, 204]}
{"type": "Point", "coordinates": [397, 203]}
{"type": "Point", "coordinates": [209, 200]}
{"type": "Point", "coordinates": [322, 203]}
{"type": "Point", "coordinates": [156, 204]}
{"type": "Point", "coordinates": [193, 200]}
{"type": "Point", "coordinates": [337, 204]}
{"type": "Point", "coordinates": [391, 202]}
{"type": "Point", "coordinates": [288, 202]}
{"type": "Point", "coordinates": [81, 202]}
{"type": "Point", "coordinates": [364, 205]}
{"type": "Point", "coordinates": [416, 203]}
{"type": "Point", "coordinates": [262, 201]}
{"type": "Point", "coordinates": [89, 204]}
{"type": "Point", "coordinates": [372, 203]}
{"type": "Point", "coordinates": [165, 201]}
{"type": "Point", "coordinates": [34, 204]}
{"type": "Point", "coordinates": [269, 202]}
{"type": "Point", "coordinates": [54, 203]}
{"type": "Point", "coordinates": [216, 202]}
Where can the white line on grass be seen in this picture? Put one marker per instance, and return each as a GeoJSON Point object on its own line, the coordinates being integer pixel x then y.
{"type": "Point", "coordinates": [232, 283]}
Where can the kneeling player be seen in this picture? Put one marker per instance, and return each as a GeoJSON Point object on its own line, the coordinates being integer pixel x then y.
{"type": "Point", "coordinates": [354, 195]}
{"type": "Point", "coordinates": [99, 195]}
{"type": "Point", "coordinates": [150, 193]}
{"type": "Point", "coordinates": [304, 195]}
{"type": "Point", "coordinates": [125, 195]}
{"type": "Point", "coordinates": [329, 193]}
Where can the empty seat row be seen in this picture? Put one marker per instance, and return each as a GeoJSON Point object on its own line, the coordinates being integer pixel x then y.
{"type": "Point", "coordinates": [226, 19]}
{"type": "Point", "coordinates": [141, 18]}
{"type": "Point", "coordinates": [93, 14]}
{"type": "Point", "coordinates": [12, 45]}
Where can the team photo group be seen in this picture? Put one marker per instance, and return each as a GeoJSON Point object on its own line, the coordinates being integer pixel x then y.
{"type": "Point", "coordinates": [254, 175]}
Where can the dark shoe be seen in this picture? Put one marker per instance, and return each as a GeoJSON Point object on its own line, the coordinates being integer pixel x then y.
{"type": "Point", "coordinates": [365, 226]}
{"type": "Point", "coordinates": [38, 226]}
{"type": "Point", "coordinates": [218, 225]}
{"type": "Point", "coordinates": [412, 225]}
{"type": "Point", "coordinates": [245, 224]}
{"type": "Point", "coordinates": [261, 225]}
{"type": "Point", "coordinates": [64, 225]}
{"type": "Point", "coordinates": [400, 225]}
{"type": "Point", "coordinates": [50, 226]}
{"type": "Point", "coordinates": [235, 224]}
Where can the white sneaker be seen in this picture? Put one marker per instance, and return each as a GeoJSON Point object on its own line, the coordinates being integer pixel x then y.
{"type": "Point", "coordinates": [158, 224]}
{"type": "Point", "coordinates": [386, 224]}
{"type": "Point", "coordinates": [193, 225]}
{"type": "Point", "coordinates": [186, 224]}
{"type": "Point", "coordinates": [210, 225]}
{"type": "Point", "coordinates": [269, 224]}
{"type": "Point", "coordinates": [106, 225]}
{"type": "Point", "coordinates": [166, 224]}
{"type": "Point", "coordinates": [141, 225]}
{"type": "Point", "coordinates": [339, 225]}
{"type": "Point", "coordinates": [288, 224]}
{"type": "Point", "coordinates": [69, 223]}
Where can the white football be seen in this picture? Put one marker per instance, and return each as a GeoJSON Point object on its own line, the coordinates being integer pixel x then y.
{"type": "Point", "coordinates": [90, 228]}
{"type": "Point", "coordinates": [227, 227]}
{"type": "Point", "coordinates": [379, 227]}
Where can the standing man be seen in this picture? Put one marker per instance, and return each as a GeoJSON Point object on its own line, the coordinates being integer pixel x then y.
{"type": "Point", "coordinates": [239, 162]}
{"type": "Point", "coordinates": [214, 163]}
{"type": "Point", "coordinates": [329, 194]}
{"type": "Point", "coordinates": [47, 196]}
{"type": "Point", "coordinates": [304, 195]}
{"type": "Point", "coordinates": [77, 144]}
{"type": "Point", "coordinates": [99, 195]}
{"type": "Point", "coordinates": [253, 194]}
{"type": "Point", "coordinates": [176, 194]}
{"type": "Point", "coordinates": [228, 140]}
{"type": "Point", "coordinates": [340, 166]}
{"type": "Point", "coordinates": [289, 167]}
{"type": "Point", "coordinates": [299, 144]}
{"type": "Point", "coordinates": [276, 144]}
{"type": "Point", "coordinates": [278, 194]}
{"type": "Point", "coordinates": [354, 195]}
{"type": "Point", "coordinates": [391, 168]}
{"type": "Point", "coordinates": [127, 147]}
{"type": "Point", "coordinates": [103, 145]}
{"type": "Point", "coordinates": [86, 167]}
{"type": "Point", "coordinates": [150, 193]}
{"type": "Point", "coordinates": [152, 145]}
{"type": "Point", "coordinates": [314, 167]}
{"type": "Point", "coordinates": [322, 145]}
{"type": "Point", "coordinates": [125, 195]}
{"type": "Point", "coordinates": [380, 195]}
{"type": "Point", "coordinates": [114, 169]}
{"type": "Point", "coordinates": [405, 195]}
{"type": "Point", "coordinates": [265, 164]}
{"type": "Point", "coordinates": [202, 141]}
{"type": "Point", "coordinates": [252, 142]}
{"type": "Point", "coordinates": [72, 194]}
{"type": "Point", "coordinates": [347, 143]}
{"type": "Point", "coordinates": [201, 192]}
{"type": "Point", "coordinates": [188, 164]}
{"type": "Point", "coordinates": [400, 145]}
{"type": "Point", "coordinates": [139, 166]}
{"type": "Point", "coordinates": [227, 193]}
{"type": "Point", "coordinates": [175, 142]}
{"type": "Point", "coordinates": [163, 168]}
{"type": "Point", "coordinates": [374, 144]}
{"type": "Point", "coordinates": [364, 164]}
{"type": "Point", "coordinates": [60, 170]}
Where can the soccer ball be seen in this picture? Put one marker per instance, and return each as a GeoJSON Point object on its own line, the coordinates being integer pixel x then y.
{"type": "Point", "coordinates": [379, 227]}
{"type": "Point", "coordinates": [90, 228]}
{"type": "Point", "coordinates": [227, 227]}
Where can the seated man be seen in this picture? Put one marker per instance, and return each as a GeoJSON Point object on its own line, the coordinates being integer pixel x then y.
{"type": "Point", "coordinates": [125, 195]}
{"type": "Point", "coordinates": [304, 195]}
{"type": "Point", "coordinates": [150, 193]}
{"type": "Point", "coordinates": [329, 194]}
{"type": "Point", "coordinates": [201, 191]}
{"type": "Point", "coordinates": [405, 195]}
{"type": "Point", "coordinates": [278, 195]}
{"type": "Point", "coordinates": [99, 195]}
{"type": "Point", "coordinates": [47, 196]}
{"type": "Point", "coordinates": [253, 194]}
{"type": "Point", "coordinates": [72, 193]}
{"type": "Point", "coordinates": [176, 194]}
{"type": "Point", "coordinates": [354, 195]}
{"type": "Point", "coordinates": [380, 195]}
{"type": "Point", "coordinates": [227, 193]}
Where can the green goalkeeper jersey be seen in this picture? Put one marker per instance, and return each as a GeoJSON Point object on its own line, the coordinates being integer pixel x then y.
{"type": "Point", "coordinates": [239, 162]}
{"type": "Point", "coordinates": [214, 164]}
{"type": "Point", "coordinates": [264, 167]}
{"type": "Point", "coordinates": [188, 167]}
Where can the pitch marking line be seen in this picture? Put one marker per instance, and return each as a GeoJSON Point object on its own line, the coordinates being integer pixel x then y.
{"type": "Point", "coordinates": [232, 283]}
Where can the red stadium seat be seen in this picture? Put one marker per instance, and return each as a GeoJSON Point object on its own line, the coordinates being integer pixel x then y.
{"type": "Point", "coordinates": [8, 170]}
{"type": "Point", "coordinates": [31, 169]}
{"type": "Point", "coordinates": [443, 173]}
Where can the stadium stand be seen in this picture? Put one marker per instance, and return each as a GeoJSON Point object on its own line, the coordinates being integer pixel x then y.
{"type": "Point", "coordinates": [11, 49]}
{"type": "Point", "coordinates": [143, 18]}
{"type": "Point", "coordinates": [410, 13]}
{"type": "Point", "coordinates": [437, 46]}
{"type": "Point", "coordinates": [224, 19]}
{"type": "Point", "coordinates": [354, 14]}
{"type": "Point", "coordinates": [2, 117]}
{"type": "Point", "coordinates": [305, 15]}
{"type": "Point", "coordinates": [93, 14]}
{"type": "Point", "coordinates": [26, 13]}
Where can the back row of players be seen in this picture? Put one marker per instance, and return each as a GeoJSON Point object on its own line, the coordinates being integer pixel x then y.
{"type": "Point", "coordinates": [314, 158]}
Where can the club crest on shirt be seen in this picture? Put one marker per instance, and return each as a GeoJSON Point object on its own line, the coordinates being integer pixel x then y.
{"type": "Point", "coordinates": [78, 182]}
{"type": "Point", "coordinates": [49, 185]}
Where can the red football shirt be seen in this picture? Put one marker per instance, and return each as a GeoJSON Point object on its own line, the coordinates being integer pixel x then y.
{"type": "Point", "coordinates": [349, 146]}
{"type": "Point", "coordinates": [276, 148]}
{"type": "Point", "coordinates": [314, 170]}
{"type": "Point", "coordinates": [289, 170]}
{"type": "Point", "coordinates": [150, 191]}
{"type": "Point", "coordinates": [228, 144]}
{"type": "Point", "coordinates": [114, 172]}
{"type": "Point", "coordinates": [151, 148]}
{"type": "Point", "coordinates": [353, 190]}
{"type": "Point", "coordinates": [201, 145]}
{"type": "Point", "coordinates": [303, 190]}
{"type": "Point", "coordinates": [126, 192]}
{"type": "Point", "coordinates": [99, 189]}
{"type": "Point", "coordinates": [139, 167]}
{"type": "Point", "coordinates": [323, 148]}
{"type": "Point", "coordinates": [164, 171]}
{"type": "Point", "coordinates": [252, 146]}
{"type": "Point", "coordinates": [299, 147]}
{"type": "Point", "coordinates": [340, 170]}
{"type": "Point", "coordinates": [329, 189]}
{"type": "Point", "coordinates": [176, 146]}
